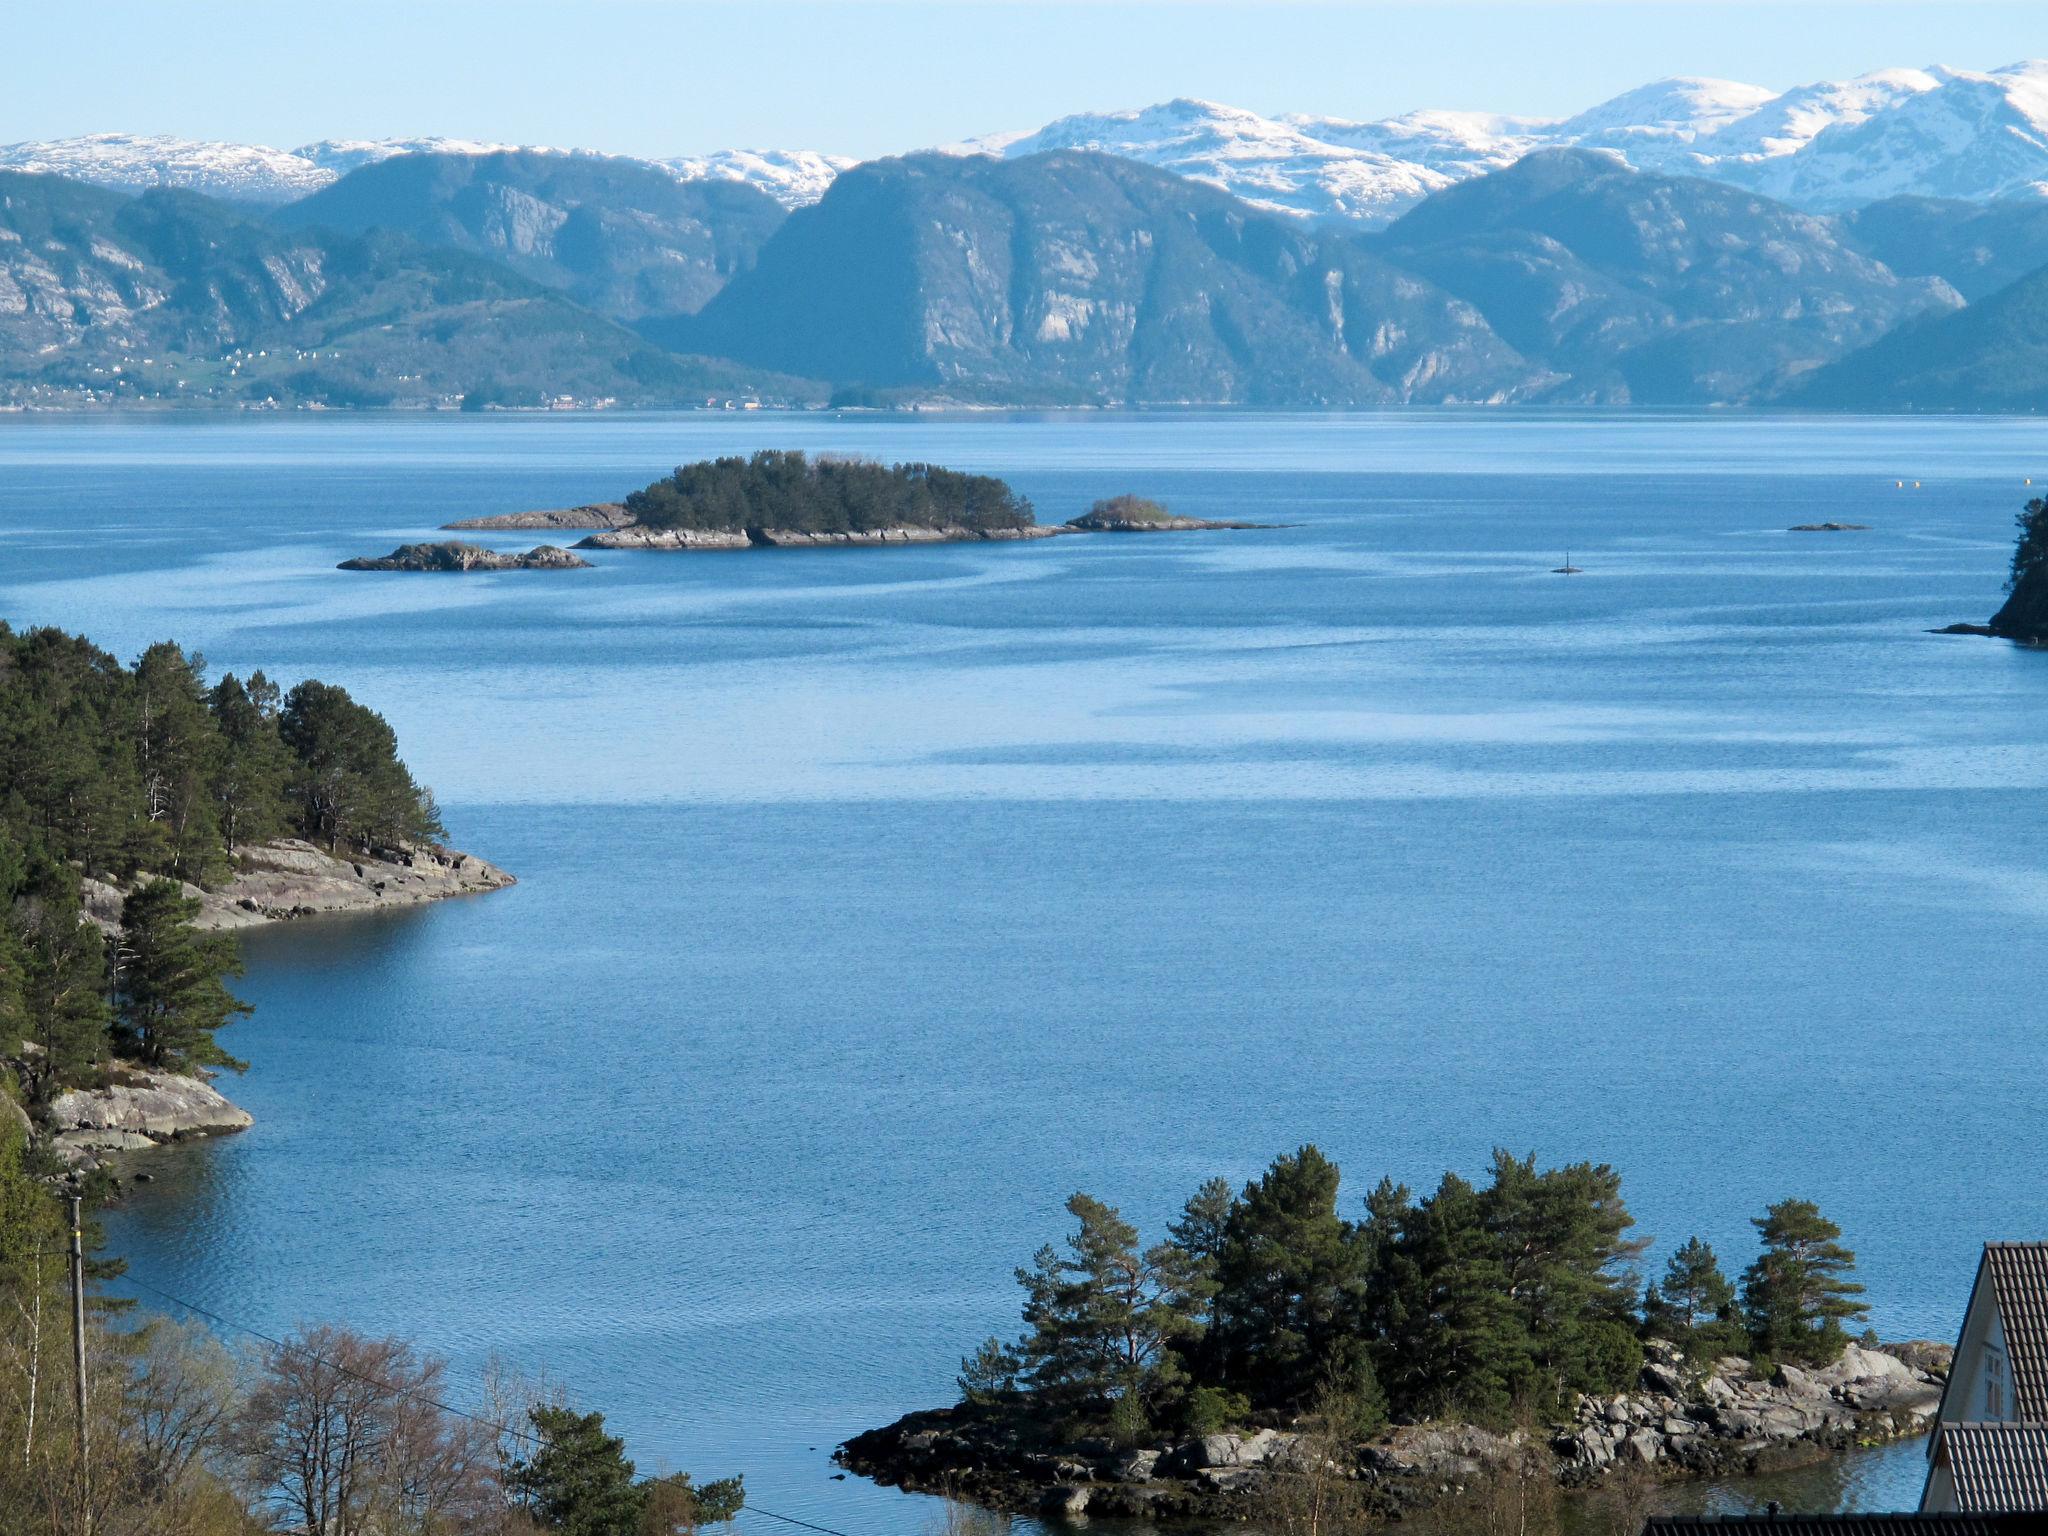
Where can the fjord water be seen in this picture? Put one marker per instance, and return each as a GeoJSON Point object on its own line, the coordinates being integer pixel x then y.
{"type": "Point", "coordinates": [873, 901]}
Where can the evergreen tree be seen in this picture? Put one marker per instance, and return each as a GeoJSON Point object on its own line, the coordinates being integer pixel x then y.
{"type": "Point", "coordinates": [1104, 1315]}
{"type": "Point", "coordinates": [1457, 1342]}
{"type": "Point", "coordinates": [349, 784]}
{"type": "Point", "coordinates": [2030, 553]}
{"type": "Point", "coordinates": [176, 745]}
{"type": "Point", "coordinates": [578, 1481]}
{"type": "Point", "coordinates": [1797, 1296]}
{"type": "Point", "coordinates": [62, 999]}
{"type": "Point", "coordinates": [169, 986]}
{"type": "Point", "coordinates": [1569, 1271]}
{"type": "Point", "coordinates": [253, 766]}
{"type": "Point", "coordinates": [1694, 1301]}
{"type": "Point", "coordinates": [1290, 1289]}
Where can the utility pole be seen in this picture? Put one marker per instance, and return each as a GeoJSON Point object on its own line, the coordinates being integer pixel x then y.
{"type": "Point", "coordinates": [78, 1369]}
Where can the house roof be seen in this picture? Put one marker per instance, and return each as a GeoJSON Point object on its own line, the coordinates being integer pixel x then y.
{"type": "Point", "coordinates": [2019, 1272]}
{"type": "Point", "coordinates": [1848, 1525]}
{"type": "Point", "coordinates": [1997, 1466]}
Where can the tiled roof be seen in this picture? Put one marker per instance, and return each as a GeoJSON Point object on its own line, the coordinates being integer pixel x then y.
{"type": "Point", "coordinates": [2019, 1271]}
{"type": "Point", "coordinates": [1997, 1466]}
{"type": "Point", "coordinates": [1848, 1525]}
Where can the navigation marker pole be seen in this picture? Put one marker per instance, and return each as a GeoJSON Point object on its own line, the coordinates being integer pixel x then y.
{"type": "Point", "coordinates": [78, 1370]}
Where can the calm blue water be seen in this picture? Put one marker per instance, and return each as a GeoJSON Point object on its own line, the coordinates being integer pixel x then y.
{"type": "Point", "coordinates": [873, 901]}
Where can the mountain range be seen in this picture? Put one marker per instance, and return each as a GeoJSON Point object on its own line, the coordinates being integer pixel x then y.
{"type": "Point", "coordinates": [1036, 274]}
{"type": "Point", "coordinates": [1975, 136]}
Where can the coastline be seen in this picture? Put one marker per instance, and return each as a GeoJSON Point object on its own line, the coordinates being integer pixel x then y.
{"type": "Point", "coordinates": [279, 882]}
{"type": "Point", "coordinates": [1681, 1424]}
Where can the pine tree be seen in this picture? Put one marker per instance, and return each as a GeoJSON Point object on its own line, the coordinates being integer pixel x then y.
{"type": "Point", "coordinates": [176, 747]}
{"type": "Point", "coordinates": [578, 1482]}
{"type": "Point", "coordinates": [63, 982]}
{"type": "Point", "coordinates": [253, 765]}
{"type": "Point", "coordinates": [1693, 1295]}
{"type": "Point", "coordinates": [1457, 1342]}
{"type": "Point", "coordinates": [1796, 1296]}
{"type": "Point", "coordinates": [1103, 1316]}
{"type": "Point", "coordinates": [169, 986]}
{"type": "Point", "coordinates": [1290, 1288]}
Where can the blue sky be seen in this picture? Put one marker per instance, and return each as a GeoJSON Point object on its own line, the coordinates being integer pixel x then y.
{"type": "Point", "coordinates": [868, 77]}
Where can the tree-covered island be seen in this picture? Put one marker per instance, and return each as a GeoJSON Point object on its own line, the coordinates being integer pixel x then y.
{"type": "Point", "coordinates": [1275, 1359]}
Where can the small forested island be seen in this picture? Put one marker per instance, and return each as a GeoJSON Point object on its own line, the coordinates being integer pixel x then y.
{"type": "Point", "coordinates": [782, 499]}
{"type": "Point", "coordinates": [1137, 514]}
{"type": "Point", "coordinates": [1442, 1359]}
{"type": "Point", "coordinates": [451, 555]}
{"type": "Point", "coordinates": [2024, 615]}
{"type": "Point", "coordinates": [1829, 528]}
{"type": "Point", "coordinates": [788, 500]}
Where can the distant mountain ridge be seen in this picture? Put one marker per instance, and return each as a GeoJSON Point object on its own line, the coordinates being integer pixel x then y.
{"type": "Point", "coordinates": [1828, 146]}
{"type": "Point", "coordinates": [621, 237]}
{"type": "Point", "coordinates": [1073, 277]}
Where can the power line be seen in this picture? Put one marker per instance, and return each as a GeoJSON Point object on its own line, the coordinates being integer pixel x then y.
{"type": "Point", "coordinates": [286, 1345]}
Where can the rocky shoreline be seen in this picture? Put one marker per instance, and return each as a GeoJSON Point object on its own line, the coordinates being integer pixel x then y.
{"type": "Point", "coordinates": [633, 536]}
{"type": "Point", "coordinates": [1681, 1422]}
{"type": "Point", "coordinates": [135, 1110]}
{"type": "Point", "coordinates": [613, 527]}
{"type": "Point", "coordinates": [289, 879]}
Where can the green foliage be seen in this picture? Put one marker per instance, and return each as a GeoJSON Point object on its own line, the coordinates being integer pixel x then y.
{"type": "Point", "coordinates": [1693, 1306]}
{"type": "Point", "coordinates": [1501, 1302]}
{"type": "Point", "coordinates": [1210, 1410]}
{"type": "Point", "coordinates": [1102, 1317]}
{"type": "Point", "coordinates": [2030, 552]}
{"type": "Point", "coordinates": [778, 489]}
{"type": "Point", "coordinates": [169, 993]}
{"type": "Point", "coordinates": [253, 765]}
{"type": "Point", "coordinates": [989, 1375]}
{"type": "Point", "coordinates": [1129, 1424]}
{"type": "Point", "coordinates": [60, 969]}
{"type": "Point", "coordinates": [578, 1482]}
{"type": "Point", "coordinates": [1797, 1297]}
{"type": "Point", "coordinates": [1289, 1282]}
{"type": "Point", "coordinates": [349, 785]}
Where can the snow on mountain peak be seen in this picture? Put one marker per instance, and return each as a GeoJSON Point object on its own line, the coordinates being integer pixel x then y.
{"type": "Point", "coordinates": [1829, 145]}
{"type": "Point", "coordinates": [793, 177]}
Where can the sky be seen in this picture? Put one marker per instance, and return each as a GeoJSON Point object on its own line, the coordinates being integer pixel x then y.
{"type": "Point", "coordinates": [870, 77]}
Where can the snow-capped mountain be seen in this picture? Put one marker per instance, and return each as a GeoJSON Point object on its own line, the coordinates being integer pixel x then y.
{"type": "Point", "coordinates": [340, 156]}
{"type": "Point", "coordinates": [793, 177]}
{"type": "Point", "coordinates": [133, 162]}
{"type": "Point", "coordinates": [255, 173]}
{"type": "Point", "coordinates": [1826, 146]}
{"type": "Point", "coordinates": [1272, 164]}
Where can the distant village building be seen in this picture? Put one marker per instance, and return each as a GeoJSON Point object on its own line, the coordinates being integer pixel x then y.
{"type": "Point", "coordinates": [1989, 1448]}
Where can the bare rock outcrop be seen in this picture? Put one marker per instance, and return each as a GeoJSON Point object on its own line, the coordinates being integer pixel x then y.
{"type": "Point", "coordinates": [292, 879]}
{"type": "Point", "coordinates": [451, 557]}
{"type": "Point", "coordinates": [136, 1110]}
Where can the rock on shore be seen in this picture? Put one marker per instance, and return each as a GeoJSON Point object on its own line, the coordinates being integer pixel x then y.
{"type": "Point", "coordinates": [1111, 522]}
{"type": "Point", "coordinates": [137, 1110]}
{"type": "Point", "coordinates": [456, 557]}
{"type": "Point", "coordinates": [601, 514]}
{"type": "Point", "coordinates": [1680, 1422]}
{"type": "Point", "coordinates": [291, 879]}
{"type": "Point", "coordinates": [637, 537]}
